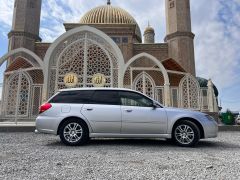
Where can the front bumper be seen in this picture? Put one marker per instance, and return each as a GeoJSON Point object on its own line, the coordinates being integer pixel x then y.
{"type": "Point", "coordinates": [210, 129]}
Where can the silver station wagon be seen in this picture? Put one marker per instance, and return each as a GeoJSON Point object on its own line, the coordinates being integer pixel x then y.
{"type": "Point", "coordinates": [77, 115]}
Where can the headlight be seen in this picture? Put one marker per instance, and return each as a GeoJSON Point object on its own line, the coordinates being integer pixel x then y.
{"type": "Point", "coordinates": [210, 118]}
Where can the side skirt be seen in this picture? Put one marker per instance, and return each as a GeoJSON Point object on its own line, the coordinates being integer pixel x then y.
{"type": "Point", "coordinates": [109, 135]}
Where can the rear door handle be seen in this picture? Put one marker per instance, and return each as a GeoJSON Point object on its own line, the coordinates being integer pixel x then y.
{"type": "Point", "coordinates": [89, 109]}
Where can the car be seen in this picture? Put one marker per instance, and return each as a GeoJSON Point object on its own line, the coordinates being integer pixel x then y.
{"type": "Point", "coordinates": [238, 120]}
{"type": "Point", "coordinates": [78, 114]}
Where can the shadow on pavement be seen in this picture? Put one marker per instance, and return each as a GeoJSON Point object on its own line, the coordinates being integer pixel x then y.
{"type": "Point", "coordinates": [217, 144]}
{"type": "Point", "coordinates": [203, 144]}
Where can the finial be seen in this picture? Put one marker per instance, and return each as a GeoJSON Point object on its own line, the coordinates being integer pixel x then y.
{"type": "Point", "coordinates": [210, 83]}
{"type": "Point", "coordinates": [109, 2]}
{"type": "Point", "coordinates": [148, 23]}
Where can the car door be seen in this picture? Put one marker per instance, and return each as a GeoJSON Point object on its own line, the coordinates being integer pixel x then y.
{"type": "Point", "coordinates": [103, 112]}
{"type": "Point", "coordinates": [139, 116]}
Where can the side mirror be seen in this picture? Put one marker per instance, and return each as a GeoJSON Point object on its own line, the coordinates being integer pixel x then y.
{"type": "Point", "coordinates": [155, 106]}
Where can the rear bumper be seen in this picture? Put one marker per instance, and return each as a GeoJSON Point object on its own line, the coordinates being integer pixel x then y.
{"type": "Point", "coordinates": [48, 125]}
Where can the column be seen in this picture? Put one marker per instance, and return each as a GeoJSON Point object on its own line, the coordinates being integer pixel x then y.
{"type": "Point", "coordinates": [167, 94]}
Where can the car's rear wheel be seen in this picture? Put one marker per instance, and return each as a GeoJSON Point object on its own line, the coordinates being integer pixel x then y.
{"type": "Point", "coordinates": [186, 134]}
{"type": "Point", "coordinates": [74, 132]}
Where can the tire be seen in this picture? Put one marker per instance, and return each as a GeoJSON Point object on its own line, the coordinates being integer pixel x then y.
{"type": "Point", "coordinates": [186, 134]}
{"type": "Point", "coordinates": [74, 132]}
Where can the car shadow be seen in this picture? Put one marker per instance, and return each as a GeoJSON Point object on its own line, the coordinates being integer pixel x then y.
{"type": "Point", "coordinates": [118, 142]}
{"type": "Point", "coordinates": [217, 144]}
{"type": "Point", "coordinates": [203, 144]}
{"type": "Point", "coordinates": [131, 142]}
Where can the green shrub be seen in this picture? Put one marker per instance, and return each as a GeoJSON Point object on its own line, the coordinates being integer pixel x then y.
{"type": "Point", "coordinates": [228, 118]}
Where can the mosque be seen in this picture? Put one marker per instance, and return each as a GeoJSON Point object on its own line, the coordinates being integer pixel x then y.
{"type": "Point", "coordinates": [104, 49]}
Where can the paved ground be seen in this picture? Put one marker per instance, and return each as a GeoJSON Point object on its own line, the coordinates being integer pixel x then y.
{"type": "Point", "coordinates": [31, 156]}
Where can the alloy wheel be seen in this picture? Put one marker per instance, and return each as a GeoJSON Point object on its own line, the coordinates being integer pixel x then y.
{"type": "Point", "coordinates": [184, 134]}
{"type": "Point", "coordinates": [73, 132]}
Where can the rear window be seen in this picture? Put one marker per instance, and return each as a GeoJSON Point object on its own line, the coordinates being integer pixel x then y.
{"type": "Point", "coordinates": [74, 97]}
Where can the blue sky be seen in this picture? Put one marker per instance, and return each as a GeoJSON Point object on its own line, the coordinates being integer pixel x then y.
{"type": "Point", "coordinates": [216, 24]}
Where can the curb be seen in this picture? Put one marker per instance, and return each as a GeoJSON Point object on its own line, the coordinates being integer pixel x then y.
{"type": "Point", "coordinates": [10, 129]}
{"type": "Point", "coordinates": [228, 128]}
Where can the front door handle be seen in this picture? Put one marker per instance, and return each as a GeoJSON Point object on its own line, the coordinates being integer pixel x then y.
{"type": "Point", "coordinates": [129, 110]}
{"type": "Point", "coordinates": [89, 109]}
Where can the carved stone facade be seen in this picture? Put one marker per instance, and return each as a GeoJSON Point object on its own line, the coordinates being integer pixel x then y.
{"type": "Point", "coordinates": [106, 43]}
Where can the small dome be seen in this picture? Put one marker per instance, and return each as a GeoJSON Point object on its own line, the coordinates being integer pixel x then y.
{"type": "Point", "coordinates": [204, 82]}
{"type": "Point", "coordinates": [149, 29]}
{"type": "Point", "coordinates": [109, 14]}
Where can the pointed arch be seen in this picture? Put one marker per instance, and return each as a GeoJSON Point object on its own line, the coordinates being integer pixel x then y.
{"type": "Point", "coordinates": [18, 95]}
{"type": "Point", "coordinates": [189, 92]}
{"type": "Point", "coordinates": [85, 35]}
{"type": "Point", "coordinates": [24, 73]}
{"type": "Point", "coordinates": [161, 68]}
{"type": "Point", "coordinates": [35, 60]}
{"type": "Point", "coordinates": [144, 83]}
{"type": "Point", "coordinates": [153, 59]}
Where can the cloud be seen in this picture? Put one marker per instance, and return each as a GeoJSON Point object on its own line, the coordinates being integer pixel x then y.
{"type": "Point", "coordinates": [6, 12]}
{"type": "Point", "coordinates": [217, 41]}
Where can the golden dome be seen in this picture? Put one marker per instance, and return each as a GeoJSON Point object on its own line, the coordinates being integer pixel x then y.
{"type": "Point", "coordinates": [109, 14]}
{"type": "Point", "coordinates": [149, 29]}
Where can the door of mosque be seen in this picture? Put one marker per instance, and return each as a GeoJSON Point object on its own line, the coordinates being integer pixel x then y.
{"type": "Point", "coordinates": [144, 84]}
{"type": "Point", "coordinates": [18, 93]}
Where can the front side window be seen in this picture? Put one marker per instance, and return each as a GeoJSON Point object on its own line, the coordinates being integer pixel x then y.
{"type": "Point", "coordinates": [105, 97]}
{"type": "Point", "coordinates": [74, 97]}
{"type": "Point", "coordinates": [134, 99]}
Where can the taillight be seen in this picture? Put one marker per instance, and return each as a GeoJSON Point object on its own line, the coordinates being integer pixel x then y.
{"type": "Point", "coordinates": [44, 107]}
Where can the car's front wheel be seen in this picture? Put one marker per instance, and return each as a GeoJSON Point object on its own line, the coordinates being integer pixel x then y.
{"type": "Point", "coordinates": [186, 134]}
{"type": "Point", "coordinates": [74, 132]}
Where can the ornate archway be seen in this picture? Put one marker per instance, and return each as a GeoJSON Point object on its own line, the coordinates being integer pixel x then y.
{"type": "Point", "coordinates": [85, 52]}
{"type": "Point", "coordinates": [23, 79]}
{"type": "Point", "coordinates": [147, 63]}
{"type": "Point", "coordinates": [85, 58]}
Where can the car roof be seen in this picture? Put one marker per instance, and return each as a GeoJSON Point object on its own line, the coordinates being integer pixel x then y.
{"type": "Point", "coordinates": [94, 88]}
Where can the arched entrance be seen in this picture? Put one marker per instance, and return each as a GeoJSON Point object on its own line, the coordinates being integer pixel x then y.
{"type": "Point", "coordinates": [83, 52]}
{"type": "Point", "coordinates": [85, 58]}
{"type": "Point", "coordinates": [18, 95]}
{"type": "Point", "coordinates": [22, 86]}
{"type": "Point", "coordinates": [146, 74]}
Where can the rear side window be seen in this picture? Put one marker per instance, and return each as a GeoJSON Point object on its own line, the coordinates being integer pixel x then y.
{"type": "Point", "coordinates": [106, 97]}
{"type": "Point", "coordinates": [74, 97]}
